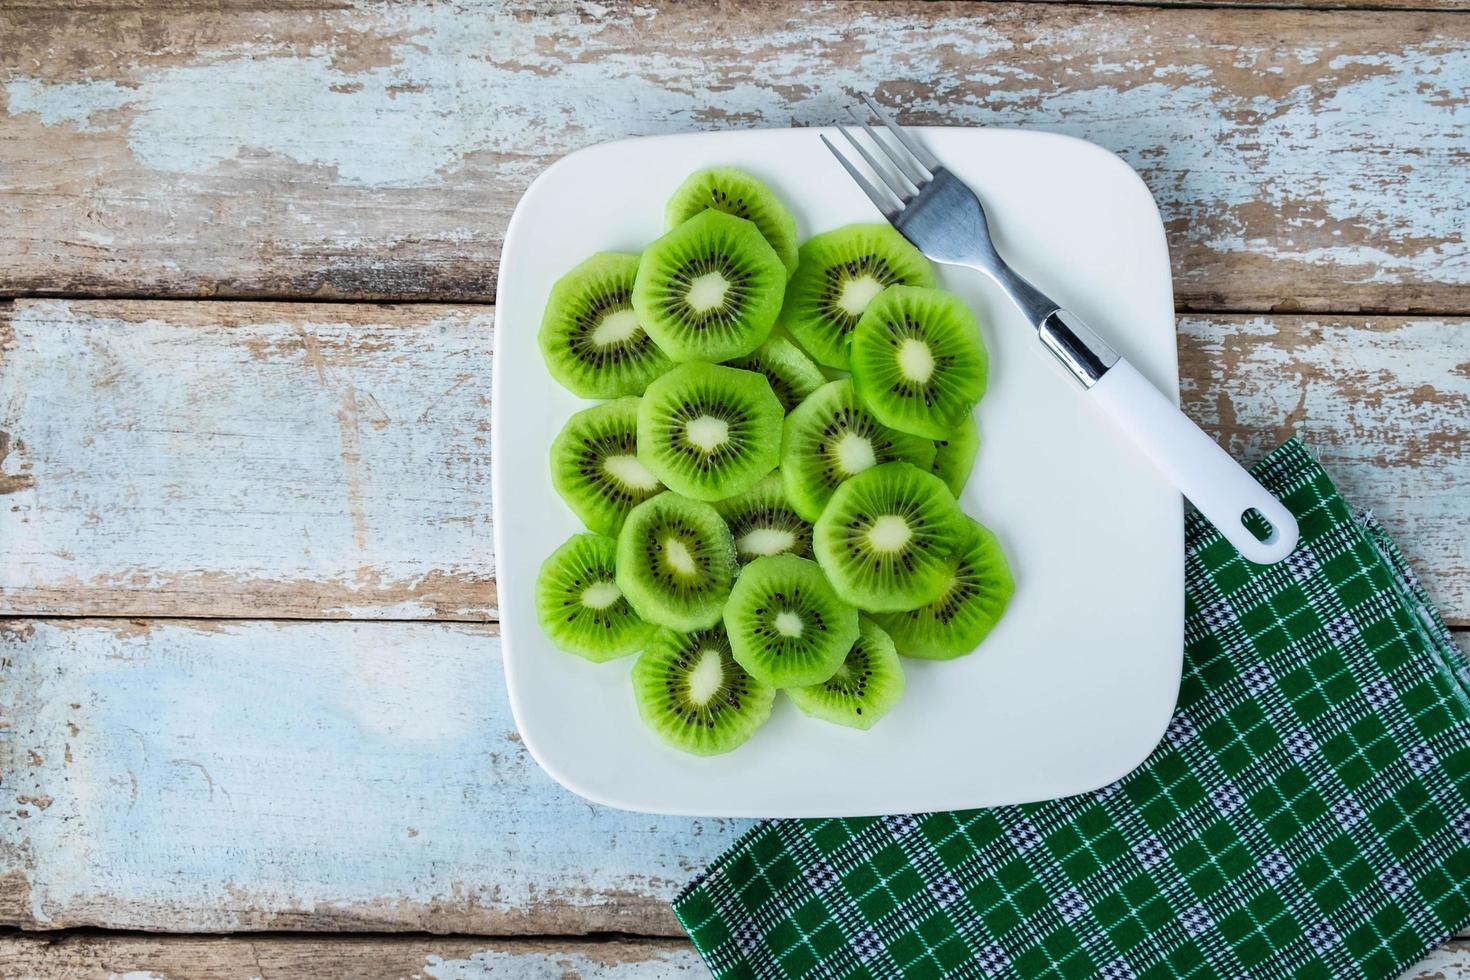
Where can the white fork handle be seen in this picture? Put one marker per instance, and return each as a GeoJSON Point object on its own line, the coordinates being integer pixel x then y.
{"type": "Point", "coordinates": [1206, 474]}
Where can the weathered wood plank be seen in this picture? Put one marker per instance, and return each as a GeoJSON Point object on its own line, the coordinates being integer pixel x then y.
{"type": "Point", "coordinates": [91, 957]}
{"type": "Point", "coordinates": [1395, 437]}
{"type": "Point", "coordinates": [217, 776]}
{"type": "Point", "coordinates": [213, 776]}
{"type": "Point", "coordinates": [297, 460]}
{"type": "Point", "coordinates": [246, 459]}
{"type": "Point", "coordinates": [1302, 160]}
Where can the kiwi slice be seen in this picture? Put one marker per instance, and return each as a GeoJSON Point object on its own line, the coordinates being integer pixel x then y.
{"type": "Point", "coordinates": [954, 455]}
{"type": "Point", "coordinates": [595, 465]}
{"type": "Point", "coordinates": [580, 605]}
{"type": "Point", "coordinates": [709, 431]}
{"type": "Point", "coordinates": [831, 437]}
{"type": "Point", "coordinates": [593, 342]}
{"type": "Point", "coordinates": [710, 289]}
{"type": "Point", "coordinates": [694, 695]}
{"type": "Point", "coordinates": [763, 523]}
{"type": "Point", "coordinates": [786, 625]}
{"type": "Point", "coordinates": [837, 275]}
{"type": "Point", "coordinates": [791, 374]}
{"type": "Point", "coordinates": [869, 682]}
{"type": "Point", "coordinates": [737, 192]}
{"type": "Point", "coordinates": [676, 562]}
{"type": "Point", "coordinates": [918, 361]}
{"type": "Point", "coordinates": [975, 596]}
{"type": "Point", "coordinates": [886, 537]}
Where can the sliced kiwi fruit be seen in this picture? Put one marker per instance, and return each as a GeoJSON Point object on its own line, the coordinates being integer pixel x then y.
{"type": "Point", "coordinates": [886, 537]}
{"type": "Point", "coordinates": [791, 374]}
{"type": "Point", "coordinates": [676, 562]}
{"type": "Point", "coordinates": [954, 455]}
{"type": "Point", "coordinates": [593, 341]}
{"type": "Point", "coordinates": [763, 523]}
{"type": "Point", "coordinates": [837, 275]}
{"type": "Point", "coordinates": [787, 626]}
{"type": "Point", "coordinates": [864, 687]}
{"type": "Point", "coordinates": [737, 192]}
{"type": "Point", "coordinates": [694, 695]}
{"type": "Point", "coordinates": [595, 465]}
{"type": "Point", "coordinates": [918, 361]}
{"type": "Point", "coordinates": [975, 596]}
{"type": "Point", "coordinates": [830, 437]}
{"type": "Point", "coordinates": [580, 605]}
{"type": "Point", "coordinates": [710, 289]}
{"type": "Point", "coordinates": [709, 431]}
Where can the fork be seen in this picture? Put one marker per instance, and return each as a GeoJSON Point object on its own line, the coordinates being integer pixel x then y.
{"type": "Point", "coordinates": [944, 219]}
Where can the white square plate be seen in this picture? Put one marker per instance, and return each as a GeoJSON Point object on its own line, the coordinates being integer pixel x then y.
{"type": "Point", "coordinates": [1076, 684]}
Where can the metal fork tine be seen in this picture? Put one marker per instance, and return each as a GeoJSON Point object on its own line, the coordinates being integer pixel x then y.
{"type": "Point", "coordinates": [906, 165]}
{"type": "Point", "coordinates": [923, 156]}
{"type": "Point", "coordinates": [888, 210]}
{"type": "Point", "coordinates": [902, 188]}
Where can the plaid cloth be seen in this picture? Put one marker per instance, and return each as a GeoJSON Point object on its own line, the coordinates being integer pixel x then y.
{"type": "Point", "coordinates": [1306, 815]}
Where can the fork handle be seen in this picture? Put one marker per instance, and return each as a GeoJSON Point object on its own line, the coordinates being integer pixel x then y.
{"type": "Point", "coordinates": [1215, 483]}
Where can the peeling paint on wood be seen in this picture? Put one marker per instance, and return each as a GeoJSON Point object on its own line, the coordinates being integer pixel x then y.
{"type": "Point", "coordinates": [1376, 399]}
{"type": "Point", "coordinates": [219, 459]}
{"type": "Point", "coordinates": [137, 957]}
{"type": "Point", "coordinates": [250, 459]}
{"type": "Point", "coordinates": [335, 776]}
{"type": "Point", "coordinates": [1302, 160]}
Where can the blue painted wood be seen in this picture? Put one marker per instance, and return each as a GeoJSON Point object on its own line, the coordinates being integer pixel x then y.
{"type": "Point", "coordinates": [215, 776]}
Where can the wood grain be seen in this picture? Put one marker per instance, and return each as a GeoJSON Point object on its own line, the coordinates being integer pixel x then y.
{"type": "Point", "coordinates": [246, 459]}
{"type": "Point", "coordinates": [91, 957]}
{"type": "Point", "coordinates": [300, 460]}
{"type": "Point", "coordinates": [1302, 160]}
{"type": "Point", "coordinates": [217, 776]}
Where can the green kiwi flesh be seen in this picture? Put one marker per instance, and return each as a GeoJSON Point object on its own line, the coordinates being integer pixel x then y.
{"type": "Point", "coordinates": [791, 374]}
{"type": "Point", "coordinates": [869, 682]}
{"type": "Point", "coordinates": [693, 694]}
{"type": "Point", "coordinates": [580, 605]}
{"type": "Point", "coordinates": [886, 537]}
{"type": "Point", "coordinates": [918, 362]}
{"type": "Point", "coordinates": [763, 523]}
{"type": "Point", "coordinates": [593, 342]}
{"type": "Point", "coordinates": [975, 597]}
{"type": "Point", "coordinates": [737, 192]}
{"type": "Point", "coordinates": [787, 626]}
{"type": "Point", "coordinates": [831, 437]}
{"type": "Point", "coordinates": [708, 431]}
{"type": "Point", "coordinates": [837, 275]}
{"type": "Point", "coordinates": [954, 455]}
{"type": "Point", "coordinates": [595, 466]}
{"type": "Point", "coordinates": [676, 562]}
{"type": "Point", "coordinates": [710, 289]}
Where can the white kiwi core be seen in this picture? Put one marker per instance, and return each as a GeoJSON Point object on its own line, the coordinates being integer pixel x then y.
{"type": "Point", "coordinates": [788, 623]}
{"type": "Point", "coordinates": [676, 553]}
{"type": "Point", "coordinates": [629, 472]}
{"type": "Point", "coordinates": [765, 541]}
{"type": "Point", "coordinates": [614, 328]}
{"type": "Point", "coordinates": [707, 292]}
{"type": "Point", "coordinates": [600, 595]}
{"type": "Point", "coordinates": [857, 294]}
{"type": "Point", "coordinates": [889, 533]}
{"type": "Point", "coordinates": [707, 432]}
{"type": "Point", "coordinates": [855, 453]}
{"type": "Point", "coordinates": [916, 360]}
{"type": "Point", "coordinates": [706, 677]}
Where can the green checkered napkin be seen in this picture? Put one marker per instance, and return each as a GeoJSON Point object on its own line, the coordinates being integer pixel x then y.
{"type": "Point", "coordinates": [1307, 814]}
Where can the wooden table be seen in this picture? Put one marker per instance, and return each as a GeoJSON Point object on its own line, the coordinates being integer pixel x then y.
{"type": "Point", "coordinates": [249, 674]}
